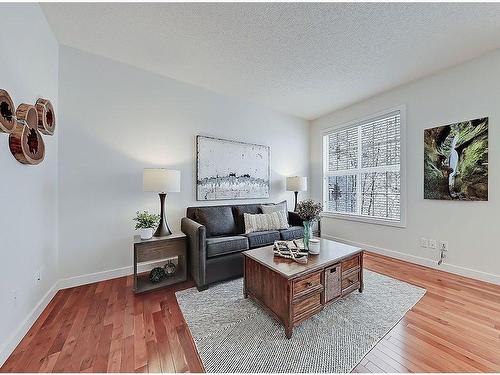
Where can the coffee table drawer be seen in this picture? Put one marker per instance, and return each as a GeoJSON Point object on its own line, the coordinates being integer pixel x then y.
{"type": "Point", "coordinates": [350, 264]}
{"type": "Point", "coordinates": [307, 284]}
{"type": "Point", "coordinates": [350, 280]}
{"type": "Point", "coordinates": [309, 304]}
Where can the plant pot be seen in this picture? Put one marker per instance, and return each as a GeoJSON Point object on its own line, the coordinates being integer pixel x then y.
{"type": "Point", "coordinates": [146, 233]}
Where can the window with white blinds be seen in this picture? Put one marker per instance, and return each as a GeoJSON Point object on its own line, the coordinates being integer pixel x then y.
{"type": "Point", "coordinates": [362, 169]}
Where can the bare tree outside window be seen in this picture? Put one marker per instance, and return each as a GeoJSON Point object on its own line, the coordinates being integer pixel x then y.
{"type": "Point", "coordinates": [362, 169]}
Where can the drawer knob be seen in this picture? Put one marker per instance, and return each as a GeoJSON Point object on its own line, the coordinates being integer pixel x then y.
{"type": "Point", "coordinates": [309, 283]}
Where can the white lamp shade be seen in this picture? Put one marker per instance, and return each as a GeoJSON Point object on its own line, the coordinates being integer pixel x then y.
{"type": "Point", "coordinates": [160, 180]}
{"type": "Point", "coordinates": [296, 183]}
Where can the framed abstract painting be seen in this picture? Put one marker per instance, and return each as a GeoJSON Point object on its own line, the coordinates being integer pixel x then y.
{"type": "Point", "coordinates": [231, 170]}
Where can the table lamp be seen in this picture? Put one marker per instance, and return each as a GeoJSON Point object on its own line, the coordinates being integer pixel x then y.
{"type": "Point", "coordinates": [162, 181]}
{"type": "Point", "coordinates": [296, 184]}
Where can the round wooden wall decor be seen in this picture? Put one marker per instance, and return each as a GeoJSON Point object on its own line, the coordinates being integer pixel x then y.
{"type": "Point", "coordinates": [46, 116]}
{"type": "Point", "coordinates": [25, 142]}
{"type": "Point", "coordinates": [7, 118]}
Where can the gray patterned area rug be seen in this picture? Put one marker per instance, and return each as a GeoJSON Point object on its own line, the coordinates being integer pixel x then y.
{"type": "Point", "coordinates": [234, 334]}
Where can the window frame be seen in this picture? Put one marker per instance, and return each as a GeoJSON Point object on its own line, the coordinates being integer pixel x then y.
{"type": "Point", "coordinates": [402, 168]}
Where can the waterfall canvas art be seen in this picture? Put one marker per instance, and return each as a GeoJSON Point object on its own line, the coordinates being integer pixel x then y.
{"type": "Point", "coordinates": [231, 170]}
{"type": "Point", "coordinates": [456, 161]}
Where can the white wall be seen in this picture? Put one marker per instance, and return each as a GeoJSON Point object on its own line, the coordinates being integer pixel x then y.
{"type": "Point", "coordinates": [118, 120]}
{"type": "Point", "coordinates": [464, 92]}
{"type": "Point", "coordinates": [28, 194]}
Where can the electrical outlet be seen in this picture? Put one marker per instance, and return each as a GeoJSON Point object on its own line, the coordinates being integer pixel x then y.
{"type": "Point", "coordinates": [38, 276]}
{"type": "Point", "coordinates": [443, 245]}
{"type": "Point", "coordinates": [424, 242]}
{"type": "Point", "coordinates": [432, 244]}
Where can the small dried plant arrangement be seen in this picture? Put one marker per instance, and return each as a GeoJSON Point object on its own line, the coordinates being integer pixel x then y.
{"type": "Point", "coordinates": [309, 210]}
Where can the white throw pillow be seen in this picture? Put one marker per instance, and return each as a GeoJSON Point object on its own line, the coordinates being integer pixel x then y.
{"type": "Point", "coordinates": [262, 222]}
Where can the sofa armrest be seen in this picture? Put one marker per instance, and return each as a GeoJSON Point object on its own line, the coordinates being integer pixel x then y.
{"type": "Point", "coordinates": [196, 236]}
{"type": "Point", "coordinates": [294, 219]}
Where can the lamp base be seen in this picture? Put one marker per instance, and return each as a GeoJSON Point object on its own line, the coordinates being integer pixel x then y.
{"type": "Point", "coordinates": [163, 229]}
{"type": "Point", "coordinates": [296, 194]}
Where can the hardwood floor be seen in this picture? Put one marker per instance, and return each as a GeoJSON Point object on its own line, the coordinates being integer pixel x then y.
{"type": "Point", "coordinates": [104, 327]}
{"type": "Point", "coordinates": [455, 327]}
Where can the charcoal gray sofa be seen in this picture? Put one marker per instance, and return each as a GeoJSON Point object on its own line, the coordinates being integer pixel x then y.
{"type": "Point", "coordinates": [216, 238]}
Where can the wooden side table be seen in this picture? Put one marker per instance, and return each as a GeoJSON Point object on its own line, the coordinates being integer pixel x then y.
{"type": "Point", "coordinates": [171, 247]}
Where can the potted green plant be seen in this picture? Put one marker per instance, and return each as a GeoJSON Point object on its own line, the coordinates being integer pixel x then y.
{"type": "Point", "coordinates": [146, 222]}
{"type": "Point", "coordinates": [309, 211]}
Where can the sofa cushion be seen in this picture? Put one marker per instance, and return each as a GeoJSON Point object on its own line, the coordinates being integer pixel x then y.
{"type": "Point", "coordinates": [259, 239]}
{"type": "Point", "coordinates": [292, 233]}
{"type": "Point", "coordinates": [226, 245]}
{"type": "Point", "coordinates": [218, 220]}
{"type": "Point", "coordinates": [294, 219]}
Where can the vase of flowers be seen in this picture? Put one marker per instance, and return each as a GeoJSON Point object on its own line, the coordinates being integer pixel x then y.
{"type": "Point", "coordinates": [309, 211]}
{"type": "Point", "coordinates": [146, 222]}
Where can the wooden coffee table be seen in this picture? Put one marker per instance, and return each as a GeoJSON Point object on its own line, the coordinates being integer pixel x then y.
{"type": "Point", "coordinates": [294, 292]}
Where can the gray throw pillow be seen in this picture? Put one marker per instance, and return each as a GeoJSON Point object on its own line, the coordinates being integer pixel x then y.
{"type": "Point", "coordinates": [278, 207]}
{"type": "Point", "coordinates": [218, 220]}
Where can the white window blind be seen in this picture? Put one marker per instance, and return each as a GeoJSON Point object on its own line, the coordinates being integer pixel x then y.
{"type": "Point", "coordinates": [362, 169]}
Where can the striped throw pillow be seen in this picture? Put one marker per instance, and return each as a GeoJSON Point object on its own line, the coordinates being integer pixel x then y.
{"type": "Point", "coordinates": [262, 222]}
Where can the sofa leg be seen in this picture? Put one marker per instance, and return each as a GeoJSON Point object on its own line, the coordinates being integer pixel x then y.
{"type": "Point", "coordinates": [201, 288]}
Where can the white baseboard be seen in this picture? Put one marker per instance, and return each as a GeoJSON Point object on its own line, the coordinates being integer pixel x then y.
{"type": "Point", "coordinates": [71, 282]}
{"type": "Point", "coordinates": [458, 270]}
{"type": "Point", "coordinates": [107, 275]}
{"type": "Point", "coordinates": [12, 342]}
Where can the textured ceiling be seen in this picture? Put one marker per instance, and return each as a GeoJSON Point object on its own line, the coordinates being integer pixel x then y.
{"type": "Point", "coordinates": [304, 59]}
